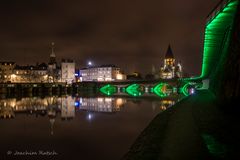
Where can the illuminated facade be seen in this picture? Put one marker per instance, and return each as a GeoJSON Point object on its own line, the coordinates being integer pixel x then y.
{"type": "Point", "coordinates": [6, 71]}
{"type": "Point", "coordinates": [24, 74]}
{"type": "Point", "coordinates": [102, 73]}
{"type": "Point", "coordinates": [170, 69]}
{"type": "Point", "coordinates": [68, 71]}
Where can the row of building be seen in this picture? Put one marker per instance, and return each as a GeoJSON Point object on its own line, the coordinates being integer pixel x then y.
{"type": "Point", "coordinates": [66, 71]}
{"type": "Point", "coordinates": [44, 72]}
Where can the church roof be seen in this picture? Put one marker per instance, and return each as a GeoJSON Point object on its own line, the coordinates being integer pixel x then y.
{"type": "Point", "coordinates": [169, 53]}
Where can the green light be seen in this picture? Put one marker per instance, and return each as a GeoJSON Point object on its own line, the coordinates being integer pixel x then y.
{"type": "Point", "coordinates": [199, 85]}
{"type": "Point", "coordinates": [108, 89]}
{"type": "Point", "coordinates": [174, 89]}
{"type": "Point", "coordinates": [218, 32]}
{"type": "Point", "coordinates": [135, 90]}
{"type": "Point", "coordinates": [217, 38]}
{"type": "Point", "coordinates": [214, 147]}
{"type": "Point", "coordinates": [160, 89]}
{"type": "Point", "coordinates": [184, 89]}
{"type": "Point", "coordinates": [151, 90]}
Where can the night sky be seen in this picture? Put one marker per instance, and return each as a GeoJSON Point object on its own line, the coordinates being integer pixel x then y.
{"type": "Point", "coordinates": [133, 34]}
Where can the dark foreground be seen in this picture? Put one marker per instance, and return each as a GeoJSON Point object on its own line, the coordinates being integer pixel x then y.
{"type": "Point", "coordinates": [196, 128]}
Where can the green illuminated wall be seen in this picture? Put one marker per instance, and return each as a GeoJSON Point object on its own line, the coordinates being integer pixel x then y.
{"type": "Point", "coordinates": [217, 38]}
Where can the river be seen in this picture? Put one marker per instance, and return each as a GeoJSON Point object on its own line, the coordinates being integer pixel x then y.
{"type": "Point", "coordinates": [75, 127]}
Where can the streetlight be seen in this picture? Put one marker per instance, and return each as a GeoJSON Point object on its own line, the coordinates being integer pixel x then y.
{"type": "Point", "coordinates": [90, 63]}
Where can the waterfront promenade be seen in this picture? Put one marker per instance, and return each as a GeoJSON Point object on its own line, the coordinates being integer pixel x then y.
{"type": "Point", "coordinates": [195, 128]}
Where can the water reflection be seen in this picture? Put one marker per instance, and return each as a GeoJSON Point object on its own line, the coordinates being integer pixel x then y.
{"type": "Point", "coordinates": [64, 106]}
{"type": "Point", "coordinates": [106, 104]}
{"type": "Point", "coordinates": [77, 121]}
{"type": "Point", "coordinates": [163, 104]}
{"type": "Point", "coordinates": [67, 106]}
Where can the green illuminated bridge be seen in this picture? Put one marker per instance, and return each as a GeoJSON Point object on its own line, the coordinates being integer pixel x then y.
{"type": "Point", "coordinates": [218, 34]}
{"type": "Point", "coordinates": [136, 89]}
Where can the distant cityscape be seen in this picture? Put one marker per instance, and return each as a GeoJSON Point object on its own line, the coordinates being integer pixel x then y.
{"type": "Point", "coordinates": [66, 71]}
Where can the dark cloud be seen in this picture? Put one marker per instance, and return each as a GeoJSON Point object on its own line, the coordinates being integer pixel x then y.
{"type": "Point", "coordinates": [133, 34]}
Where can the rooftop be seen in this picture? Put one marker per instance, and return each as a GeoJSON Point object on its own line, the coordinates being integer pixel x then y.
{"type": "Point", "coordinates": [101, 66]}
{"type": "Point", "coordinates": [169, 53]}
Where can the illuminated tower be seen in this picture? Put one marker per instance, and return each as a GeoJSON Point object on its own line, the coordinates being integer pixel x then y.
{"type": "Point", "coordinates": [168, 70]}
{"type": "Point", "coordinates": [52, 55]}
{"type": "Point", "coordinates": [53, 71]}
{"type": "Point", "coordinates": [169, 58]}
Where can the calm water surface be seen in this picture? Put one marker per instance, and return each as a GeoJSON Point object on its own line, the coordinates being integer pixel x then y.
{"type": "Point", "coordinates": [74, 127]}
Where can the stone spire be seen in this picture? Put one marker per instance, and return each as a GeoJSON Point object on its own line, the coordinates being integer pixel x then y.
{"type": "Point", "coordinates": [169, 53]}
{"type": "Point", "coordinates": [52, 53]}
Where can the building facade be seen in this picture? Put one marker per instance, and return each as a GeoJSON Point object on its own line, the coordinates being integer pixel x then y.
{"type": "Point", "coordinates": [68, 71]}
{"type": "Point", "coordinates": [6, 71]}
{"type": "Point", "coordinates": [30, 74]}
{"type": "Point", "coordinates": [101, 73]}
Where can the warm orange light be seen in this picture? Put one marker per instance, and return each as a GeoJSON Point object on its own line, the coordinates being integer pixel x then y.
{"type": "Point", "coordinates": [119, 76]}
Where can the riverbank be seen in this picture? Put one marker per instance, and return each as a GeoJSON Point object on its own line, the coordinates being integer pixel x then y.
{"type": "Point", "coordinates": [47, 88]}
{"type": "Point", "coordinates": [195, 128]}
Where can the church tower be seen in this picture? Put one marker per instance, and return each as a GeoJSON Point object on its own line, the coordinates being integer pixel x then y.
{"type": "Point", "coordinates": [52, 55]}
{"type": "Point", "coordinates": [168, 70]}
{"type": "Point", "coordinates": [169, 58]}
{"type": "Point", "coordinates": [52, 66]}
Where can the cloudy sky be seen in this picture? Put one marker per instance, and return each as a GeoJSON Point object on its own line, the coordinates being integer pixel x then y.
{"type": "Point", "coordinates": [133, 34]}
